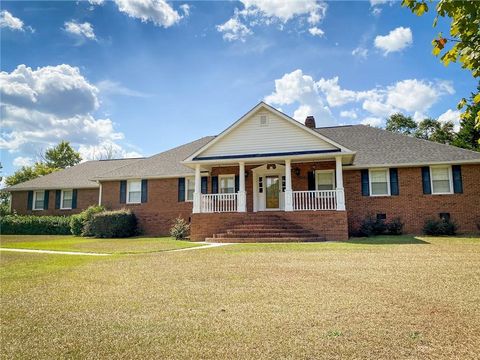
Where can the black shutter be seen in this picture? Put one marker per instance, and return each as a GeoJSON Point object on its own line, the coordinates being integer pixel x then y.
{"type": "Point", "coordinates": [30, 200]}
{"type": "Point", "coordinates": [46, 197]}
{"type": "Point", "coordinates": [365, 183]}
{"type": "Point", "coordinates": [58, 198]}
{"type": "Point", "coordinates": [74, 198]}
{"type": "Point", "coordinates": [181, 189]}
{"type": "Point", "coordinates": [457, 179]}
{"type": "Point", "coordinates": [427, 188]}
{"type": "Point", "coordinates": [237, 183]}
{"type": "Point", "coordinates": [394, 188]}
{"type": "Point", "coordinates": [144, 190]}
{"type": "Point", "coordinates": [123, 191]}
{"type": "Point", "coordinates": [214, 184]}
{"type": "Point", "coordinates": [283, 184]}
{"type": "Point", "coordinates": [204, 185]}
{"type": "Point", "coordinates": [311, 180]}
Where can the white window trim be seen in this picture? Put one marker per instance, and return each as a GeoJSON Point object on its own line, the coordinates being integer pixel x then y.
{"type": "Point", "coordinates": [35, 200]}
{"type": "Point", "coordinates": [220, 182]}
{"type": "Point", "coordinates": [128, 191]}
{"type": "Point", "coordinates": [389, 192]}
{"type": "Point", "coordinates": [450, 179]}
{"type": "Point", "coordinates": [187, 180]}
{"type": "Point", "coordinates": [61, 200]}
{"type": "Point", "coordinates": [325, 171]}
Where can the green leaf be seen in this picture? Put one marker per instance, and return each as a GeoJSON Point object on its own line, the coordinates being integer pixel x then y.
{"type": "Point", "coordinates": [476, 99]}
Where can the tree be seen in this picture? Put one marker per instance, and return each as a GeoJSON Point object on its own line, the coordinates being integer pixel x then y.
{"type": "Point", "coordinates": [28, 173]}
{"type": "Point", "coordinates": [62, 156]}
{"type": "Point", "coordinates": [465, 42]}
{"type": "Point", "coordinates": [468, 137]}
{"type": "Point", "coordinates": [433, 130]}
{"type": "Point", "coordinates": [401, 124]}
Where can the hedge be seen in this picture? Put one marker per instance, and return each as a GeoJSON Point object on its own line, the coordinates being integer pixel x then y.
{"type": "Point", "coordinates": [113, 224]}
{"type": "Point", "coordinates": [78, 222]}
{"type": "Point", "coordinates": [34, 225]}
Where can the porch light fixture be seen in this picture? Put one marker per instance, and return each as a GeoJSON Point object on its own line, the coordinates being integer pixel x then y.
{"type": "Point", "coordinates": [296, 171]}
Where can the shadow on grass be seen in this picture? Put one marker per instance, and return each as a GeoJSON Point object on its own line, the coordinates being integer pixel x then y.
{"type": "Point", "coordinates": [387, 240]}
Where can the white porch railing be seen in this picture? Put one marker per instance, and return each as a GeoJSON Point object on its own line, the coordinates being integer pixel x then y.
{"type": "Point", "coordinates": [212, 203]}
{"type": "Point", "coordinates": [315, 200]}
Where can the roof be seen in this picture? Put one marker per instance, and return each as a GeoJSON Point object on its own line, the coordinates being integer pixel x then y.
{"type": "Point", "coordinates": [377, 147]}
{"type": "Point", "coordinates": [165, 164]}
{"type": "Point", "coordinates": [75, 177]}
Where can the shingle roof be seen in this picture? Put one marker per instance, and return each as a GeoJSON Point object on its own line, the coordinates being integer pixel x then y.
{"type": "Point", "coordinates": [76, 177]}
{"type": "Point", "coordinates": [381, 147]}
{"type": "Point", "coordinates": [167, 163]}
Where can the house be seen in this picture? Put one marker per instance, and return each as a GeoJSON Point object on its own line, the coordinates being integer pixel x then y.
{"type": "Point", "coordinates": [268, 177]}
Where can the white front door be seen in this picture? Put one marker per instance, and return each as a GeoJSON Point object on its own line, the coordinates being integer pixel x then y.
{"type": "Point", "coordinates": [267, 187]}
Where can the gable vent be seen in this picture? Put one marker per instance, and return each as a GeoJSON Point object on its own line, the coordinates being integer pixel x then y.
{"type": "Point", "coordinates": [263, 120]}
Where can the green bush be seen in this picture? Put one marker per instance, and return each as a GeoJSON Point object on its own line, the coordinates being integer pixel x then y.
{"type": "Point", "coordinates": [395, 227]}
{"type": "Point", "coordinates": [78, 222]}
{"type": "Point", "coordinates": [112, 224]}
{"type": "Point", "coordinates": [180, 229]}
{"type": "Point", "coordinates": [34, 225]}
{"type": "Point", "coordinates": [440, 227]}
{"type": "Point", "coordinates": [372, 226]}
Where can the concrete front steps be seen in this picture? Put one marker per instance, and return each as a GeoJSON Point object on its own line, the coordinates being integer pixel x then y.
{"type": "Point", "coordinates": [265, 228]}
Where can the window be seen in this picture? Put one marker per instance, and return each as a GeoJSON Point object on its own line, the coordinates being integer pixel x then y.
{"type": "Point", "coordinates": [227, 184]}
{"type": "Point", "coordinates": [325, 180]}
{"type": "Point", "coordinates": [441, 179]}
{"type": "Point", "coordinates": [263, 120]}
{"type": "Point", "coordinates": [189, 189]}
{"type": "Point", "coordinates": [379, 182]}
{"type": "Point", "coordinates": [134, 191]}
{"type": "Point", "coordinates": [67, 196]}
{"type": "Point", "coordinates": [38, 200]}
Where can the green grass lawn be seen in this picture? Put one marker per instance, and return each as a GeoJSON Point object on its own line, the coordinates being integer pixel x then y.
{"type": "Point", "coordinates": [109, 246]}
{"type": "Point", "coordinates": [384, 297]}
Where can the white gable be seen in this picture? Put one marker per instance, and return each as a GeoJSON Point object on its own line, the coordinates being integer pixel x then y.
{"type": "Point", "coordinates": [266, 132]}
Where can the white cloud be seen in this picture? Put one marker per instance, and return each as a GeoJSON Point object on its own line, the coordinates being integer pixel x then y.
{"type": "Point", "coordinates": [96, 2]}
{"type": "Point", "coordinates": [234, 29]}
{"type": "Point", "coordinates": [7, 20]}
{"type": "Point", "coordinates": [335, 95]}
{"type": "Point", "coordinates": [315, 31]}
{"type": "Point", "coordinates": [351, 114]}
{"type": "Point", "coordinates": [396, 40]}
{"type": "Point", "coordinates": [376, 11]}
{"type": "Point", "coordinates": [106, 150]}
{"type": "Point", "coordinates": [378, 2]}
{"type": "Point", "coordinates": [84, 30]}
{"type": "Point", "coordinates": [108, 87]}
{"type": "Point", "coordinates": [157, 11]}
{"type": "Point", "coordinates": [186, 9]}
{"type": "Point", "coordinates": [41, 107]}
{"type": "Point", "coordinates": [21, 161]}
{"type": "Point", "coordinates": [360, 52]}
{"type": "Point", "coordinates": [451, 116]}
{"type": "Point", "coordinates": [372, 121]}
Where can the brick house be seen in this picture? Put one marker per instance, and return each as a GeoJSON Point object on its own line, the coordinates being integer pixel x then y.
{"type": "Point", "coordinates": [268, 177]}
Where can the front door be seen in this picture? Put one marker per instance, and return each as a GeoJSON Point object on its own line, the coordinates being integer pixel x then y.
{"type": "Point", "coordinates": [272, 192]}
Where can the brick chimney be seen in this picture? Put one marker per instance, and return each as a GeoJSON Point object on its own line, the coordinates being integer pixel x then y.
{"type": "Point", "coordinates": [310, 122]}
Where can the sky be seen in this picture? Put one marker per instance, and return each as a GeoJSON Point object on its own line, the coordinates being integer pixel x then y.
{"type": "Point", "coordinates": [137, 77]}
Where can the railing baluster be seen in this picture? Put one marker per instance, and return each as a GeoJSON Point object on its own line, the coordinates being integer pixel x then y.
{"type": "Point", "coordinates": [314, 200]}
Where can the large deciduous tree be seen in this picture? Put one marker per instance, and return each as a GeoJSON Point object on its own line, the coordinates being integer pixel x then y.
{"type": "Point", "coordinates": [401, 124]}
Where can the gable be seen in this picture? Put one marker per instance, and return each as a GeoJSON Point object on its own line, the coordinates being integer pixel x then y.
{"type": "Point", "coordinates": [266, 132]}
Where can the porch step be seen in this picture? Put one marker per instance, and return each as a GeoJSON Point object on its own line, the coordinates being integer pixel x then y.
{"type": "Point", "coordinates": [265, 239]}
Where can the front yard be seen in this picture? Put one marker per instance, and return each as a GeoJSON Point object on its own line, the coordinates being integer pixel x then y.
{"type": "Point", "coordinates": [387, 297]}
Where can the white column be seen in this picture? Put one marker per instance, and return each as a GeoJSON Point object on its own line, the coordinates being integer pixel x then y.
{"type": "Point", "coordinates": [100, 194]}
{"type": "Point", "coordinates": [198, 190]}
{"type": "Point", "coordinates": [339, 178]}
{"type": "Point", "coordinates": [241, 195]}
{"type": "Point", "coordinates": [288, 186]}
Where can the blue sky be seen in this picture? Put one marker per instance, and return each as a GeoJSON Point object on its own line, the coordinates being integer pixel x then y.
{"type": "Point", "coordinates": [136, 77]}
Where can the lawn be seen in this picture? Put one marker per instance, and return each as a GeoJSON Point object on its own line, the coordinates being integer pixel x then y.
{"type": "Point", "coordinates": [108, 246]}
{"type": "Point", "coordinates": [387, 297]}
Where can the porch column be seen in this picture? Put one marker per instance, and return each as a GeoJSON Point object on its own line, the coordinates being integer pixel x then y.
{"type": "Point", "coordinates": [198, 191]}
{"type": "Point", "coordinates": [288, 186]}
{"type": "Point", "coordinates": [339, 178]}
{"type": "Point", "coordinates": [241, 195]}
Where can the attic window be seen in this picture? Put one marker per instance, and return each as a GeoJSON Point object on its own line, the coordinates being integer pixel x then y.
{"type": "Point", "coordinates": [263, 120]}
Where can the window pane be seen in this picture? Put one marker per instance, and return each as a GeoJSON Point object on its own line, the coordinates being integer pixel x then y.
{"type": "Point", "coordinates": [440, 174]}
{"type": "Point", "coordinates": [378, 176]}
{"type": "Point", "coordinates": [441, 186]}
{"type": "Point", "coordinates": [134, 196]}
{"type": "Point", "coordinates": [67, 203]}
{"type": "Point", "coordinates": [379, 188]}
{"type": "Point", "coordinates": [39, 196]}
{"type": "Point", "coordinates": [134, 186]}
{"type": "Point", "coordinates": [190, 188]}
{"type": "Point", "coordinates": [227, 185]}
{"type": "Point", "coordinates": [325, 181]}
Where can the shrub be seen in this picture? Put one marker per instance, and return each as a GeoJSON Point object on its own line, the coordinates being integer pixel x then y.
{"type": "Point", "coordinates": [34, 225]}
{"type": "Point", "coordinates": [395, 227]}
{"type": "Point", "coordinates": [372, 226]}
{"type": "Point", "coordinates": [180, 229]}
{"type": "Point", "coordinates": [112, 224]}
{"type": "Point", "coordinates": [440, 227]}
{"type": "Point", "coordinates": [78, 222]}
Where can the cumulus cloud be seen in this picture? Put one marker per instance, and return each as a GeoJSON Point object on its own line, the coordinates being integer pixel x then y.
{"type": "Point", "coordinates": [451, 116]}
{"type": "Point", "coordinates": [372, 121]}
{"type": "Point", "coordinates": [318, 97]}
{"type": "Point", "coordinates": [270, 12]}
{"type": "Point", "coordinates": [41, 107]}
{"type": "Point", "coordinates": [21, 161]}
{"type": "Point", "coordinates": [8, 21]}
{"type": "Point", "coordinates": [158, 12]}
{"type": "Point", "coordinates": [96, 2]}
{"type": "Point", "coordinates": [396, 40]}
{"type": "Point", "coordinates": [360, 52]}
{"type": "Point", "coordinates": [84, 31]}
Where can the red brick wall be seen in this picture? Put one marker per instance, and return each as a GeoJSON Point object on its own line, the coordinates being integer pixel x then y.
{"type": "Point", "coordinates": [412, 206]}
{"type": "Point", "coordinates": [158, 213]}
{"type": "Point", "coordinates": [85, 198]}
